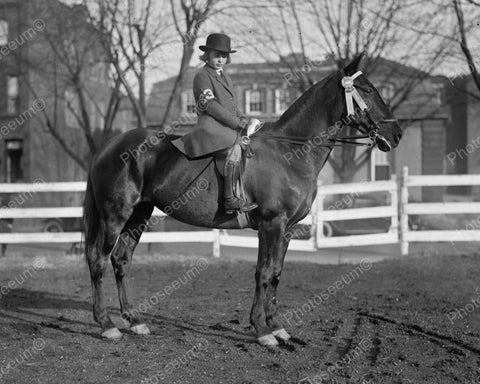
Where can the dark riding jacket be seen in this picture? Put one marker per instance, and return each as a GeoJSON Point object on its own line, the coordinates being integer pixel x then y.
{"type": "Point", "coordinates": [218, 115]}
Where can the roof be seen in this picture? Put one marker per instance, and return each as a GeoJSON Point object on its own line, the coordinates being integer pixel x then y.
{"type": "Point", "coordinates": [286, 64]}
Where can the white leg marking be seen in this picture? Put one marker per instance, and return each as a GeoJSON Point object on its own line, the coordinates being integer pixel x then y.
{"type": "Point", "coordinates": [267, 340]}
{"type": "Point", "coordinates": [281, 334]}
{"type": "Point", "coordinates": [140, 329]}
{"type": "Point", "coordinates": [112, 334]}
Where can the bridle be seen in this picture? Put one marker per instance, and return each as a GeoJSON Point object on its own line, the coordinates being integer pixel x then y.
{"type": "Point", "coordinates": [372, 126]}
{"type": "Point", "coordinates": [368, 130]}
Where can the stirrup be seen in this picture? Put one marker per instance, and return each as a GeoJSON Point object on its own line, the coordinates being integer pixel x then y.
{"type": "Point", "coordinates": [238, 205]}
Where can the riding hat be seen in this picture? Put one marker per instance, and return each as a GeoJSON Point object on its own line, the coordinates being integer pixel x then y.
{"type": "Point", "coordinates": [218, 42]}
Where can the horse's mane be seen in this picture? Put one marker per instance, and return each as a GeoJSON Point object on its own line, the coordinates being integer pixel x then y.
{"type": "Point", "coordinates": [303, 101]}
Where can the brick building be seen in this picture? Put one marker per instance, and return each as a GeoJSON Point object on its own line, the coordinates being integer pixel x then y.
{"type": "Point", "coordinates": [463, 137]}
{"type": "Point", "coordinates": [36, 89]}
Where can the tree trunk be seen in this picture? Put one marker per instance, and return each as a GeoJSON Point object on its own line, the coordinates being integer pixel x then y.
{"type": "Point", "coordinates": [177, 87]}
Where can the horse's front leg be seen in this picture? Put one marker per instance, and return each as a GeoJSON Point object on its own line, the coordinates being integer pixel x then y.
{"type": "Point", "coordinates": [271, 303]}
{"type": "Point", "coordinates": [271, 246]}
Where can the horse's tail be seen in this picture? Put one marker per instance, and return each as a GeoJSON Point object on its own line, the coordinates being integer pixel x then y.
{"type": "Point", "coordinates": [91, 219]}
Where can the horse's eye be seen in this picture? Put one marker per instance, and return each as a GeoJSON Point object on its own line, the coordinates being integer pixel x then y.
{"type": "Point", "coordinates": [368, 90]}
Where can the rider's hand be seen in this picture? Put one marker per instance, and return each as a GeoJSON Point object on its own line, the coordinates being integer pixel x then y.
{"type": "Point", "coordinates": [253, 126]}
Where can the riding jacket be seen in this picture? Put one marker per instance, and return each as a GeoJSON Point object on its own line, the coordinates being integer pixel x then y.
{"type": "Point", "coordinates": [218, 115]}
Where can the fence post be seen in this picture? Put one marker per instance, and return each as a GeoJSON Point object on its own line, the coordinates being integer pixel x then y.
{"type": "Point", "coordinates": [216, 243]}
{"type": "Point", "coordinates": [403, 214]}
{"type": "Point", "coordinates": [318, 217]}
{"type": "Point", "coordinates": [313, 226]}
{"type": "Point", "coordinates": [394, 228]}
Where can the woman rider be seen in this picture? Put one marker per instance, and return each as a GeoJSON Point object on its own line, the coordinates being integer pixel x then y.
{"type": "Point", "coordinates": [219, 119]}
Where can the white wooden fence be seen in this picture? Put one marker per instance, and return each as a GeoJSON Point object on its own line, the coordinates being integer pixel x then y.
{"type": "Point", "coordinates": [333, 214]}
{"type": "Point", "coordinates": [407, 208]}
{"type": "Point", "coordinates": [214, 237]}
{"type": "Point", "coordinates": [397, 210]}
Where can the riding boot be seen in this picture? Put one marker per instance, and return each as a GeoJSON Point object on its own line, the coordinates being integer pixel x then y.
{"type": "Point", "coordinates": [232, 202]}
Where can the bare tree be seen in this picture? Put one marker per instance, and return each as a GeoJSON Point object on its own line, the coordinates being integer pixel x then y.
{"type": "Point", "coordinates": [130, 32]}
{"type": "Point", "coordinates": [295, 32]}
{"type": "Point", "coordinates": [463, 41]}
{"type": "Point", "coordinates": [67, 67]}
{"type": "Point", "coordinates": [116, 40]}
{"type": "Point", "coordinates": [188, 20]}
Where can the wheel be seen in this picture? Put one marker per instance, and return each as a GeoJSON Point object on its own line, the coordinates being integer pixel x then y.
{"type": "Point", "coordinates": [327, 230]}
{"type": "Point", "coordinates": [76, 249]}
{"type": "Point", "coordinates": [53, 226]}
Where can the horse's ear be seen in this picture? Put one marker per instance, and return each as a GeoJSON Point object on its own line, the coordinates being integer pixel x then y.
{"type": "Point", "coordinates": [353, 66]}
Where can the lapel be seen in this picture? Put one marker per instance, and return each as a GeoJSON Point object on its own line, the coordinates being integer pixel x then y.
{"type": "Point", "coordinates": [227, 83]}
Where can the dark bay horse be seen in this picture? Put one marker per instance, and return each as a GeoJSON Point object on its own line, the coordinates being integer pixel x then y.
{"type": "Point", "coordinates": [137, 170]}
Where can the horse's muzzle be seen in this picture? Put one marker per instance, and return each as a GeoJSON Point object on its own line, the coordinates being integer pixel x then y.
{"type": "Point", "coordinates": [382, 143]}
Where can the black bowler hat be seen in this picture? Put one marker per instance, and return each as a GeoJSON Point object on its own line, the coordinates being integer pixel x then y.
{"type": "Point", "coordinates": [218, 42]}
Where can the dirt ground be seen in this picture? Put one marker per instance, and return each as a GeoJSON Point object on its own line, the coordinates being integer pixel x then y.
{"type": "Point", "coordinates": [411, 320]}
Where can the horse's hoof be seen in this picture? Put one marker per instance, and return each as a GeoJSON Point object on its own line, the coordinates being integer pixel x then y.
{"type": "Point", "coordinates": [112, 334]}
{"type": "Point", "coordinates": [281, 334]}
{"type": "Point", "coordinates": [140, 329]}
{"type": "Point", "coordinates": [267, 341]}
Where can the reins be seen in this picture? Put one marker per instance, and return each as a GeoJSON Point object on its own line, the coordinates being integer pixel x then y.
{"type": "Point", "coordinates": [332, 142]}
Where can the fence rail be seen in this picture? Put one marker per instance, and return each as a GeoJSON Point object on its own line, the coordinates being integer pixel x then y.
{"type": "Point", "coordinates": [406, 208]}
{"type": "Point", "coordinates": [390, 211]}
{"type": "Point", "coordinates": [398, 210]}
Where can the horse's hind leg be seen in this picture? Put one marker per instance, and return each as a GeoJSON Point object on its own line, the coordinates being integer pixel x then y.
{"type": "Point", "coordinates": [97, 258]}
{"type": "Point", "coordinates": [121, 260]}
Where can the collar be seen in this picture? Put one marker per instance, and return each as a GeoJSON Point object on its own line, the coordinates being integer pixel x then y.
{"type": "Point", "coordinates": [222, 80]}
{"type": "Point", "coordinates": [212, 70]}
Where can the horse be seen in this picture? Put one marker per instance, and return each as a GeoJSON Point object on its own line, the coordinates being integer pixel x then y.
{"type": "Point", "coordinates": [140, 169]}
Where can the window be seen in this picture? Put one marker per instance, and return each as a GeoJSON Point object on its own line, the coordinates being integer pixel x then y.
{"type": "Point", "coordinates": [387, 91]}
{"type": "Point", "coordinates": [12, 95]}
{"type": "Point", "coordinates": [188, 103]}
{"type": "Point", "coordinates": [3, 32]}
{"type": "Point", "coordinates": [283, 99]}
{"type": "Point", "coordinates": [254, 102]}
{"type": "Point", "coordinates": [14, 149]}
{"type": "Point", "coordinates": [438, 94]}
{"type": "Point", "coordinates": [380, 165]}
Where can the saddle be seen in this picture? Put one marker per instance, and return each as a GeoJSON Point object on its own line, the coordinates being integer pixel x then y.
{"type": "Point", "coordinates": [219, 158]}
{"type": "Point", "coordinates": [243, 138]}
